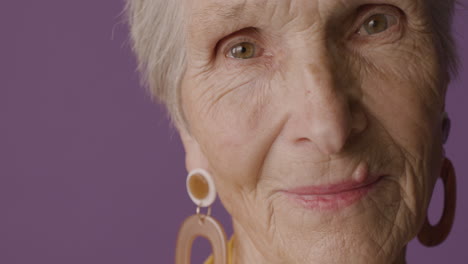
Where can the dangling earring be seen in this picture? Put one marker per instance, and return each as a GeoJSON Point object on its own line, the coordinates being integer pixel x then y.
{"type": "Point", "coordinates": [434, 235]}
{"type": "Point", "coordinates": [201, 189]}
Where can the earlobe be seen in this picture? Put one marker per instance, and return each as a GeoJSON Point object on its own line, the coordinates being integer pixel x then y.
{"type": "Point", "coordinates": [194, 156]}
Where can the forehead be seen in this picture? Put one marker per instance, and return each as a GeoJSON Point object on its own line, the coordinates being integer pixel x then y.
{"type": "Point", "coordinates": [213, 18]}
{"type": "Point", "coordinates": [237, 10]}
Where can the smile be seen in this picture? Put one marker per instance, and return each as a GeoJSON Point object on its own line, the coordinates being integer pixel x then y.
{"type": "Point", "coordinates": [333, 196]}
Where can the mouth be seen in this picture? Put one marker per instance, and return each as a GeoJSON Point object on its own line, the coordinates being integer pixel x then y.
{"type": "Point", "coordinates": [332, 196]}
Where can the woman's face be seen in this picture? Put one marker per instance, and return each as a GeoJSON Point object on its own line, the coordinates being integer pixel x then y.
{"type": "Point", "coordinates": [320, 121]}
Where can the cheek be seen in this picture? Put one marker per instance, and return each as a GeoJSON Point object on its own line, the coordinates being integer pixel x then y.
{"type": "Point", "coordinates": [230, 112]}
{"type": "Point", "coordinates": [404, 92]}
{"type": "Point", "coordinates": [404, 96]}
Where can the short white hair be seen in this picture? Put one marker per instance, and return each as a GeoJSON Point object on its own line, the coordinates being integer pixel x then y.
{"type": "Point", "coordinates": [158, 39]}
{"type": "Point", "coordinates": [157, 29]}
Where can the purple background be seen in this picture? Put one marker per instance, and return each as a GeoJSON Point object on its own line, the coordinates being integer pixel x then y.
{"type": "Point", "coordinates": [90, 170]}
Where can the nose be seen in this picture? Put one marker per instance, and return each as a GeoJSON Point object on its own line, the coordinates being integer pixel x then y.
{"type": "Point", "coordinates": [327, 114]}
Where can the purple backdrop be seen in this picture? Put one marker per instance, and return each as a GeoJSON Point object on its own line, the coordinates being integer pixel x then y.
{"type": "Point", "coordinates": [91, 172]}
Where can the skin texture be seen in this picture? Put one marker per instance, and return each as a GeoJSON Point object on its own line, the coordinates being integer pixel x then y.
{"type": "Point", "coordinates": [315, 102]}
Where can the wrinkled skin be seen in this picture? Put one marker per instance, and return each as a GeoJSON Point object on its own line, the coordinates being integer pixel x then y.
{"type": "Point", "coordinates": [317, 101]}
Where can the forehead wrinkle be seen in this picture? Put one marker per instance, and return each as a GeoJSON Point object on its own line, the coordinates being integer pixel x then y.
{"type": "Point", "coordinates": [218, 14]}
{"type": "Point", "coordinates": [223, 15]}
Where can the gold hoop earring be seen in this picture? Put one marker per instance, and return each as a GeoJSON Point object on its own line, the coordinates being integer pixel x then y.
{"type": "Point", "coordinates": [434, 235]}
{"type": "Point", "coordinates": [201, 189]}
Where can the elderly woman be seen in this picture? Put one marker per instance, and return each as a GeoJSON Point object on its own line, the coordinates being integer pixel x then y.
{"type": "Point", "coordinates": [319, 123]}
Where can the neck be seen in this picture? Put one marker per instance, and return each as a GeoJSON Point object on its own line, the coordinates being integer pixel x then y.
{"type": "Point", "coordinates": [245, 250]}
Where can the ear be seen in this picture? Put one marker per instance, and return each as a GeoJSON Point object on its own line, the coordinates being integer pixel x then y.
{"type": "Point", "coordinates": [194, 157]}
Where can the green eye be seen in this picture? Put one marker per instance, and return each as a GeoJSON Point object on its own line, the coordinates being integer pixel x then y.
{"type": "Point", "coordinates": [243, 50]}
{"type": "Point", "coordinates": [377, 24]}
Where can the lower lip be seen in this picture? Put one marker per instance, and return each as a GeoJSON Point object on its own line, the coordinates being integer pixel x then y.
{"type": "Point", "coordinates": [331, 202]}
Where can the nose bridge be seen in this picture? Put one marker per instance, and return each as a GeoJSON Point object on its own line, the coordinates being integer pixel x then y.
{"type": "Point", "coordinates": [317, 70]}
{"type": "Point", "coordinates": [325, 95]}
{"type": "Point", "coordinates": [324, 113]}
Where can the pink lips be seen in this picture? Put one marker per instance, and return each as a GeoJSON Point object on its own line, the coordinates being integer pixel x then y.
{"type": "Point", "coordinates": [333, 196]}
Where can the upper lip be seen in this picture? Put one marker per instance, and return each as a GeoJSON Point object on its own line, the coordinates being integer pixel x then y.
{"type": "Point", "coordinates": [329, 189]}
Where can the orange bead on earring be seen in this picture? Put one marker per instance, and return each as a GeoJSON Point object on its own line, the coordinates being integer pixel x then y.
{"type": "Point", "coordinates": [202, 191]}
{"type": "Point", "coordinates": [201, 188]}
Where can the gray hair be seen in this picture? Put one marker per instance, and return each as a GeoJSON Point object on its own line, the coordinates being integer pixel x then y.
{"type": "Point", "coordinates": [158, 35]}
